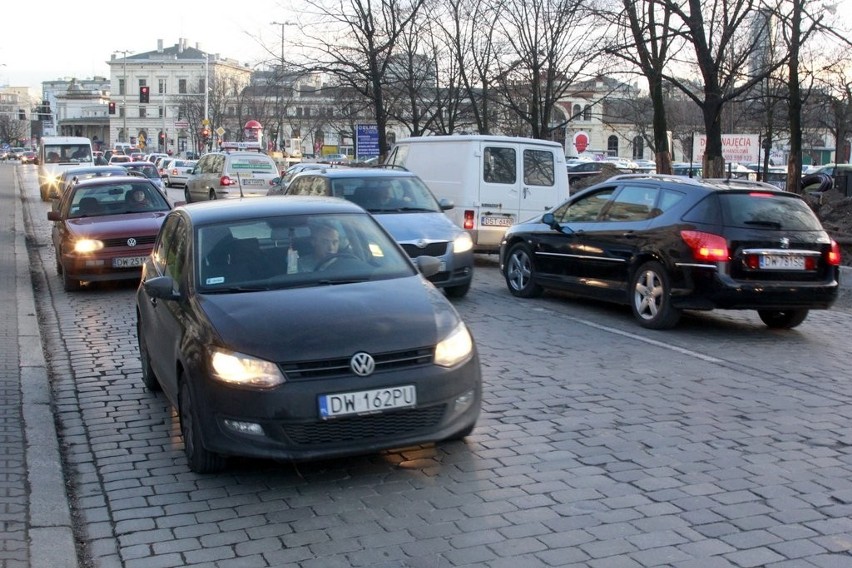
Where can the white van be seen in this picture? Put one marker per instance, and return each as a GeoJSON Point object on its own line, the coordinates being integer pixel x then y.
{"type": "Point", "coordinates": [493, 181]}
{"type": "Point", "coordinates": [55, 155]}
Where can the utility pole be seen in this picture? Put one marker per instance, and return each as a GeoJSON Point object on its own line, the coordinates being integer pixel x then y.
{"type": "Point", "coordinates": [279, 121]}
{"type": "Point", "coordinates": [124, 94]}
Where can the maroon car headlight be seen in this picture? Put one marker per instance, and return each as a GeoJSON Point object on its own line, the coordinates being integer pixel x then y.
{"type": "Point", "coordinates": [83, 246]}
{"type": "Point", "coordinates": [243, 370]}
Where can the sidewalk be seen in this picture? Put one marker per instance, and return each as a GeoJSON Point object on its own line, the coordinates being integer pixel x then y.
{"type": "Point", "coordinates": [35, 518]}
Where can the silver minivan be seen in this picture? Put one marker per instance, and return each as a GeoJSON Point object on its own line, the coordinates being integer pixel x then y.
{"type": "Point", "coordinates": [226, 175]}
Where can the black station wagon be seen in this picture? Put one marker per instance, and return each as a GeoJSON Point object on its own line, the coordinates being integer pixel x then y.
{"type": "Point", "coordinates": [663, 244]}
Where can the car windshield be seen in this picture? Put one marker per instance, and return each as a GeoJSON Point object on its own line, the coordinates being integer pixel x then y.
{"type": "Point", "coordinates": [294, 252]}
{"type": "Point", "coordinates": [98, 200]}
{"type": "Point", "coordinates": [386, 194]}
{"type": "Point", "coordinates": [756, 210]}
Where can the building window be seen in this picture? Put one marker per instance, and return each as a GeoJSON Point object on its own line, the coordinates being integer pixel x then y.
{"type": "Point", "coordinates": [201, 85]}
{"type": "Point", "coordinates": [638, 148]}
{"type": "Point", "coordinates": [587, 112]}
{"type": "Point", "coordinates": [142, 112]}
{"type": "Point", "coordinates": [143, 82]}
{"type": "Point", "coordinates": [161, 86]}
{"type": "Point", "coordinates": [612, 145]}
{"type": "Point", "coordinates": [121, 86]}
{"type": "Point", "coordinates": [182, 86]}
{"type": "Point", "coordinates": [162, 110]}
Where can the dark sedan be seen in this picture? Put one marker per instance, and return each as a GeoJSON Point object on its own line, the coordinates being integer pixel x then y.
{"type": "Point", "coordinates": [100, 232]}
{"type": "Point", "coordinates": [663, 244]}
{"type": "Point", "coordinates": [266, 349]}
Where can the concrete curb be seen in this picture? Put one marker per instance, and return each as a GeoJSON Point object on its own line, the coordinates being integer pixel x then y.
{"type": "Point", "coordinates": [51, 534]}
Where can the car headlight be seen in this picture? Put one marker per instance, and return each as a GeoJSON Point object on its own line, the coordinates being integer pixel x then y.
{"type": "Point", "coordinates": [455, 348]}
{"type": "Point", "coordinates": [462, 243]}
{"type": "Point", "coordinates": [87, 245]}
{"type": "Point", "coordinates": [243, 370]}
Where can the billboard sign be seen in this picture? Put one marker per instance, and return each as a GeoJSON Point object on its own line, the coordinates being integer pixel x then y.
{"type": "Point", "coordinates": [366, 140]}
{"type": "Point", "coordinates": [736, 148]}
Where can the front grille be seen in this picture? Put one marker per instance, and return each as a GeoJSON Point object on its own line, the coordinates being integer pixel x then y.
{"type": "Point", "coordinates": [361, 428]}
{"type": "Point", "coordinates": [122, 241]}
{"type": "Point", "coordinates": [432, 249]}
{"type": "Point", "coordinates": [329, 368]}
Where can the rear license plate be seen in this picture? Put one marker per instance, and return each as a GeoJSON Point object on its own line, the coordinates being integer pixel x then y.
{"type": "Point", "coordinates": [365, 402]}
{"type": "Point", "coordinates": [128, 262]}
{"type": "Point", "coordinates": [781, 262]}
{"type": "Point", "coordinates": [488, 221]}
{"type": "Point", "coordinates": [252, 181]}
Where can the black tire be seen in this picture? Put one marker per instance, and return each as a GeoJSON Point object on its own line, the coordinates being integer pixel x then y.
{"type": "Point", "coordinates": [519, 272]}
{"type": "Point", "coordinates": [212, 195]}
{"type": "Point", "coordinates": [43, 192]}
{"type": "Point", "coordinates": [58, 263]}
{"type": "Point", "coordinates": [651, 297]}
{"type": "Point", "coordinates": [782, 319]}
{"type": "Point", "coordinates": [199, 459]}
{"type": "Point", "coordinates": [457, 291]}
{"type": "Point", "coordinates": [68, 283]}
{"type": "Point", "coordinates": [461, 434]}
{"type": "Point", "coordinates": [149, 379]}
{"type": "Point", "coordinates": [186, 195]}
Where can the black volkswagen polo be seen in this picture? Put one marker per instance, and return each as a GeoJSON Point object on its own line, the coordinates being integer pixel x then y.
{"type": "Point", "coordinates": [663, 244]}
{"type": "Point", "coordinates": [297, 329]}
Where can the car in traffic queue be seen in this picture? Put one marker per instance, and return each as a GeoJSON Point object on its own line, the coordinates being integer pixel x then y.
{"type": "Point", "coordinates": [404, 206]}
{"type": "Point", "coordinates": [72, 176]}
{"type": "Point", "coordinates": [29, 157]}
{"type": "Point", "coordinates": [99, 234]}
{"type": "Point", "coordinates": [176, 172]}
{"type": "Point", "coordinates": [664, 244]}
{"type": "Point", "coordinates": [148, 170]}
{"type": "Point", "coordinates": [239, 170]}
{"type": "Point", "coordinates": [261, 357]}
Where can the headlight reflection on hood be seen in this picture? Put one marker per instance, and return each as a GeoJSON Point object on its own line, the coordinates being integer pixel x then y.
{"type": "Point", "coordinates": [455, 348]}
{"type": "Point", "coordinates": [238, 369]}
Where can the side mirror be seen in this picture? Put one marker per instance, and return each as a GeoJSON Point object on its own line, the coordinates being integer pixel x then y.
{"type": "Point", "coordinates": [427, 265]}
{"type": "Point", "coordinates": [160, 287]}
{"type": "Point", "coordinates": [446, 204]}
{"type": "Point", "coordinates": [54, 216]}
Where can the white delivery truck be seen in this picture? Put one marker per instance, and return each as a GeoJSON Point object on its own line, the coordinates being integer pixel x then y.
{"type": "Point", "coordinates": [493, 181]}
{"type": "Point", "coordinates": [55, 155]}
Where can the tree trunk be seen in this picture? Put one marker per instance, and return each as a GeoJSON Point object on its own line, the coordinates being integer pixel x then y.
{"type": "Point", "coordinates": [663, 155]}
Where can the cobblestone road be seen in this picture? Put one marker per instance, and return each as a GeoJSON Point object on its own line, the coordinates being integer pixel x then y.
{"type": "Point", "coordinates": [601, 444]}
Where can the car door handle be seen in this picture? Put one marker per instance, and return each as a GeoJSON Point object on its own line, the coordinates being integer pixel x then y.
{"type": "Point", "coordinates": [629, 234]}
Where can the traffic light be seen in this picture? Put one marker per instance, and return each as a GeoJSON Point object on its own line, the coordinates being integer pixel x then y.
{"type": "Point", "coordinates": [144, 94]}
{"type": "Point", "coordinates": [112, 108]}
{"type": "Point", "coordinates": [162, 138]}
{"type": "Point", "coordinates": [205, 133]}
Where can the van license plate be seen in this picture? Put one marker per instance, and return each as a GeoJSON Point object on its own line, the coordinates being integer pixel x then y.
{"type": "Point", "coordinates": [128, 262]}
{"type": "Point", "coordinates": [488, 221]}
{"type": "Point", "coordinates": [369, 401]}
{"type": "Point", "coordinates": [782, 262]}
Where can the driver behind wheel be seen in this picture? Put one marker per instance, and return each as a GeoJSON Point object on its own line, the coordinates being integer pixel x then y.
{"type": "Point", "coordinates": [325, 243]}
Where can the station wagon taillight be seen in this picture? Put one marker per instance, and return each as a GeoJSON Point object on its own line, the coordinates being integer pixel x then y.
{"type": "Point", "coordinates": [706, 246]}
{"type": "Point", "coordinates": [832, 257]}
{"type": "Point", "coordinates": [225, 180]}
{"type": "Point", "coordinates": [468, 219]}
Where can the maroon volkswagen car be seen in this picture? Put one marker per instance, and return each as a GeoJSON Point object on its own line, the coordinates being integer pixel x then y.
{"type": "Point", "coordinates": [104, 229]}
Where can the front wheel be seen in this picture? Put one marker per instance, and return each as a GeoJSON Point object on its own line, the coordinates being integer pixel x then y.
{"type": "Point", "coordinates": [200, 460]}
{"type": "Point", "coordinates": [782, 319]}
{"type": "Point", "coordinates": [186, 195]}
{"type": "Point", "coordinates": [520, 272]}
{"type": "Point", "coordinates": [68, 283]}
{"type": "Point", "coordinates": [651, 299]}
{"type": "Point", "coordinates": [457, 291]}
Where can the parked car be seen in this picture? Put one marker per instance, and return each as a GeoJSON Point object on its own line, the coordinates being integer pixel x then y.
{"type": "Point", "coordinates": [664, 244]}
{"type": "Point", "coordinates": [262, 358]}
{"type": "Point", "coordinates": [220, 175]}
{"type": "Point", "coordinates": [176, 171]}
{"type": "Point", "coordinates": [100, 233]}
{"type": "Point", "coordinates": [403, 204]}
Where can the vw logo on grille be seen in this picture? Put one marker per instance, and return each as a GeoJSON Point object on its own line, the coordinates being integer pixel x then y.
{"type": "Point", "coordinates": [131, 242]}
{"type": "Point", "coordinates": [362, 364]}
{"type": "Point", "coordinates": [785, 243]}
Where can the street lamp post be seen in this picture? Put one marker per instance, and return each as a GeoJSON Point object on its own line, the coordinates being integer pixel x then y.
{"type": "Point", "coordinates": [278, 119]}
{"type": "Point", "coordinates": [124, 94]}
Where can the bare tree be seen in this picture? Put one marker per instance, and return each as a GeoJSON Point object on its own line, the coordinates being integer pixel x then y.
{"type": "Point", "coordinates": [551, 45]}
{"type": "Point", "coordinates": [357, 44]}
{"type": "Point", "coordinates": [12, 130]}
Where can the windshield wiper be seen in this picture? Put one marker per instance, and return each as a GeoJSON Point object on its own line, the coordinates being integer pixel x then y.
{"type": "Point", "coordinates": [239, 289]}
{"type": "Point", "coordinates": [341, 281]}
{"type": "Point", "coordinates": [773, 224]}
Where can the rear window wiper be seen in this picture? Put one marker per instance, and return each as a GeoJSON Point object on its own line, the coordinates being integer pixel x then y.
{"type": "Point", "coordinates": [773, 224]}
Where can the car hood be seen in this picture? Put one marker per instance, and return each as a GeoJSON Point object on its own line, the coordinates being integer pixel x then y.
{"type": "Point", "coordinates": [329, 322]}
{"type": "Point", "coordinates": [410, 227]}
{"type": "Point", "coordinates": [126, 224]}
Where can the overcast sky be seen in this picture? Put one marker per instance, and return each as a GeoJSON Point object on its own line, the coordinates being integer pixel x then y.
{"type": "Point", "coordinates": [50, 39]}
{"type": "Point", "coordinates": [55, 39]}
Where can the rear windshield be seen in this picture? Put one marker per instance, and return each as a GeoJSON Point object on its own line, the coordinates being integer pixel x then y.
{"type": "Point", "coordinates": [758, 209]}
